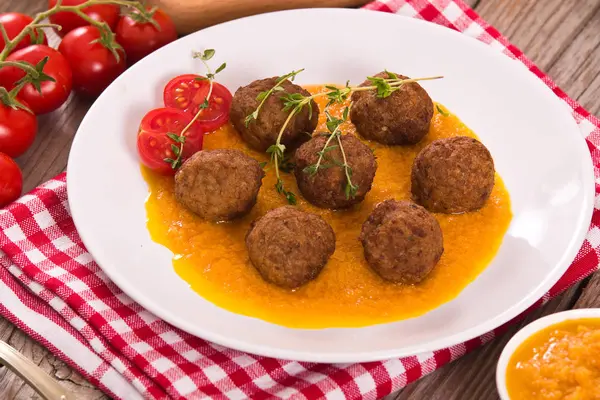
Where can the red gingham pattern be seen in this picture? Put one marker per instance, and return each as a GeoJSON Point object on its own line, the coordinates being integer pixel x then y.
{"type": "Point", "coordinates": [48, 279]}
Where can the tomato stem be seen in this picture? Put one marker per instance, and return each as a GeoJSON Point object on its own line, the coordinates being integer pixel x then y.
{"type": "Point", "coordinates": [4, 34]}
{"type": "Point", "coordinates": [9, 45]}
{"type": "Point", "coordinates": [25, 66]}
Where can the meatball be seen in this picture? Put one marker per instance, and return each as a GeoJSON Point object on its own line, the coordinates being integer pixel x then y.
{"type": "Point", "coordinates": [402, 241]}
{"type": "Point", "coordinates": [453, 175]}
{"type": "Point", "coordinates": [262, 132]}
{"type": "Point", "coordinates": [327, 187]}
{"type": "Point", "coordinates": [290, 247]}
{"type": "Point", "coordinates": [403, 118]}
{"type": "Point", "coordinates": [219, 185]}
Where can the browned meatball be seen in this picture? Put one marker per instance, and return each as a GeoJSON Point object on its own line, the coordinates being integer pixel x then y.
{"type": "Point", "coordinates": [326, 187]}
{"type": "Point", "coordinates": [290, 247]}
{"type": "Point", "coordinates": [219, 185]}
{"type": "Point", "coordinates": [262, 132]}
{"type": "Point", "coordinates": [402, 241]}
{"type": "Point", "coordinates": [453, 175]}
{"type": "Point", "coordinates": [403, 118]}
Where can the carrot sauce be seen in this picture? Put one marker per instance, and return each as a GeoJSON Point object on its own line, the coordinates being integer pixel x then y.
{"type": "Point", "coordinates": [559, 362]}
{"type": "Point", "coordinates": [213, 259]}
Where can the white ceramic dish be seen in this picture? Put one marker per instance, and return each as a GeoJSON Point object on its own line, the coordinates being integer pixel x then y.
{"type": "Point", "coordinates": [529, 331]}
{"type": "Point", "coordinates": [536, 145]}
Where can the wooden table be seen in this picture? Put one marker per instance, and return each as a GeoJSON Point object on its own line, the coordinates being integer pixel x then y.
{"type": "Point", "coordinates": [561, 36]}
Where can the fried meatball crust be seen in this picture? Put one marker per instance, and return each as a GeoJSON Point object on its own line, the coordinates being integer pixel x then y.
{"type": "Point", "coordinates": [219, 185]}
{"type": "Point", "coordinates": [262, 132]}
{"type": "Point", "coordinates": [453, 175]}
{"type": "Point", "coordinates": [402, 242]}
{"type": "Point", "coordinates": [403, 118]}
{"type": "Point", "coordinates": [326, 188]}
{"type": "Point", "coordinates": [290, 247]}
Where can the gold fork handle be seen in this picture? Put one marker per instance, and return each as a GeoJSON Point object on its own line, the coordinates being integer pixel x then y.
{"type": "Point", "coordinates": [47, 387]}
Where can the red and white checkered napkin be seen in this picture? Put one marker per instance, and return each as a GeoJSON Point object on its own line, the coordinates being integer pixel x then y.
{"type": "Point", "coordinates": [51, 288]}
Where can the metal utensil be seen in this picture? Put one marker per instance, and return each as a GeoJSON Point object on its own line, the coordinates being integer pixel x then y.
{"type": "Point", "coordinates": [47, 387]}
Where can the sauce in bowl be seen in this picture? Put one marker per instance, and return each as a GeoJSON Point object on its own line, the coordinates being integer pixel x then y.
{"type": "Point", "coordinates": [213, 258]}
{"type": "Point", "coordinates": [561, 361]}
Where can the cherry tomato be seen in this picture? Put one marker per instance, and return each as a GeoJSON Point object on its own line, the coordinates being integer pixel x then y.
{"type": "Point", "coordinates": [14, 23]}
{"type": "Point", "coordinates": [94, 67]}
{"type": "Point", "coordinates": [142, 38]}
{"type": "Point", "coordinates": [11, 180]}
{"type": "Point", "coordinates": [17, 130]}
{"type": "Point", "coordinates": [153, 144]}
{"type": "Point", "coordinates": [187, 93]}
{"type": "Point", "coordinates": [108, 13]}
{"type": "Point", "coordinates": [53, 94]}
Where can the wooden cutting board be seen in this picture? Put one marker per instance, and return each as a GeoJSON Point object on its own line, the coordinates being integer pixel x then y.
{"type": "Point", "coordinates": [191, 15]}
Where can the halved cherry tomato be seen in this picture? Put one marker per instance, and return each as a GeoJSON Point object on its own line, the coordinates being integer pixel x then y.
{"type": "Point", "coordinates": [11, 180]}
{"type": "Point", "coordinates": [187, 93]}
{"type": "Point", "coordinates": [14, 23]}
{"type": "Point", "coordinates": [155, 146]}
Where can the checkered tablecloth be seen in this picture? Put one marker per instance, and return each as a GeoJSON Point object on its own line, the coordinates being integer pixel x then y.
{"type": "Point", "coordinates": [51, 288]}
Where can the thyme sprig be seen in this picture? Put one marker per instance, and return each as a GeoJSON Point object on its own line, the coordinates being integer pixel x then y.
{"type": "Point", "coordinates": [179, 140]}
{"type": "Point", "coordinates": [294, 103]}
{"type": "Point", "coordinates": [263, 96]}
{"type": "Point", "coordinates": [333, 126]}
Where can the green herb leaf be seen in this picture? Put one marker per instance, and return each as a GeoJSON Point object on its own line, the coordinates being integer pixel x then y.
{"type": "Point", "coordinates": [311, 169]}
{"type": "Point", "coordinates": [441, 110]}
{"type": "Point", "coordinates": [391, 74]}
{"type": "Point", "coordinates": [173, 136]}
{"type": "Point", "coordinates": [263, 164]}
{"type": "Point", "coordinates": [204, 104]}
{"type": "Point", "coordinates": [208, 54]}
{"type": "Point", "coordinates": [350, 190]}
{"type": "Point", "coordinates": [175, 149]}
{"type": "Point", "coordinates": [221, 68]}
{"type": "Point", "coordinates": [291, 198]}
{"type": "Point", "coordinates": [262, 95]}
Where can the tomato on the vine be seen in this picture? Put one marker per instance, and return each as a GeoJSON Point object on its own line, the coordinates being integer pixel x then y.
{"type": "Point", "coordinates": [140, 38]}
{"type": "Point", "coordinates": [17, 130]}
{"type": "Point", "coordinates": [108, 13]}
{"type": "Point", "coordinates": [187, 92]}
{"type": "Point", "coordinates": [93, 65]}
{"type": "Point", "coordinates": [155, 146]}
{"type": "Point", "coordinates": [11, 180]}
{"type": "Point", "coordinates": [53, 94]}
{"type": "Point", "coordinates": [14, 23]}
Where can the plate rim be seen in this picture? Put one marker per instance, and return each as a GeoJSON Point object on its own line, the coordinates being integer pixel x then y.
{"type": "Point", "coordinates": [560, 266]}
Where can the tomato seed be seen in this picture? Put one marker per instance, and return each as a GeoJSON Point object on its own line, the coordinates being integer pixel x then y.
{"type": "Point", "coordinates": [178, 90]}
{"type": "Point", "coordinates": [153, 143]}
{"type": "Point", "coordinates": [218, 100]}
{"type": "Point", "coordinates": [185, 85]}
{"type": "Point", "coordinates": [196, 85]}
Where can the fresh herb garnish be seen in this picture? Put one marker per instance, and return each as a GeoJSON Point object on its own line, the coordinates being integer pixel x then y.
{"type": "Point", "coordinates": [294, 103]}
{"type": "Point", "coordinates": [179, 140]}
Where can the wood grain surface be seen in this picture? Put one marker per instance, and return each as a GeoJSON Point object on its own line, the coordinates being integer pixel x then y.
{"type": "Point", "coordinates": [561, 36]}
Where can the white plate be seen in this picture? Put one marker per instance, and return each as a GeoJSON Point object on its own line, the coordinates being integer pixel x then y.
{"type": "Point", "coordinates": [535, 142]}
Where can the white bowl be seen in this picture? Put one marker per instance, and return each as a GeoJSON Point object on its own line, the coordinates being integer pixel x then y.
{"type": "Point", "coordinates": [536, 144]}
{"type": "Point", "coordinates": [529, 331]}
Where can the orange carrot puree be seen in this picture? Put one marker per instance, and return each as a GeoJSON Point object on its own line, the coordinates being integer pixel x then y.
{"type": "Point", "coordinates": [212, 258]}
{"type": "Point", "coordinates": [559, 362]}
